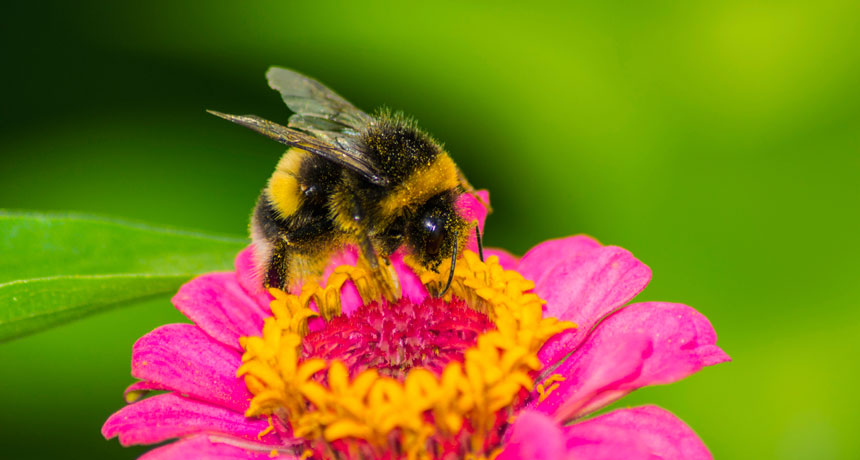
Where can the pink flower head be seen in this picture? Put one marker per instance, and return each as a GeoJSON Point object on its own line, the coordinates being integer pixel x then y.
{"type": "Point", "coordinates": [508, 367]}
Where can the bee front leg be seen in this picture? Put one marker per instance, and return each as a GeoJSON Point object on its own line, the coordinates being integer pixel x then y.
{"type": "Point", "coordinates": [384, 277]}
{"type": "Point", "coordinates": [369, 253]}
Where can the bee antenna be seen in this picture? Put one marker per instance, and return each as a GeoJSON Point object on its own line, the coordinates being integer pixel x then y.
{"type": "Point", "coordinates": [480, 242]}
{"type": "Point", "coordinates": [453, 262]}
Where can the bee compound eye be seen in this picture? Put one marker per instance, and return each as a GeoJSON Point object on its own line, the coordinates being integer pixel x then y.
{"type": "Point", "coordinates": [435, 234]}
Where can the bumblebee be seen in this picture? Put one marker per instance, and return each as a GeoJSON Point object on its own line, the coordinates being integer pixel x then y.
{"type": "Point", "coordinates": [349, 178]}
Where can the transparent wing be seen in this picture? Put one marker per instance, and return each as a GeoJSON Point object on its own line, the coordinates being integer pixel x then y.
{"type": "Point", "coordinates": [320, 111]}
{"type": "Point", "coordinates": [333, 133]}
{"type": "Point", "coordinates": [315, 105]}
{"type": "Point", "coordinates": [307, 142]}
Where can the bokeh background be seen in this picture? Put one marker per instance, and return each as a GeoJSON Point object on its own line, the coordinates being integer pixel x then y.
{"type": "Point", "coordinates": [718, 141]}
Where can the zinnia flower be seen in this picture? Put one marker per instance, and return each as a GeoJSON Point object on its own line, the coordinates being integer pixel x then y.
{"type": "Point", "coordinates": [507, 365]}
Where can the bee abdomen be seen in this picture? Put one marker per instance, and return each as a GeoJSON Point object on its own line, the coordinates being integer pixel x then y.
{"type": "Point", "coordinates": [284, 189]}
{"type": "Point", "coordinates": [291, 228]}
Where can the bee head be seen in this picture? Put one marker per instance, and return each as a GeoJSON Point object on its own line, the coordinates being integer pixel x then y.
{"type": "Point", "coordinates": [437, 231]}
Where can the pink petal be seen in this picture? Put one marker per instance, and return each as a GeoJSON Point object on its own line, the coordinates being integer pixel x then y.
{"type": "Point", "coordinates": [205, 447]}
{"type": "Point", "coordinates": [593, 374]}
{"type": "Point", "coordinates": [221, 307]}
{"type": "Point", "coordinates": [167, 416]}
{"type": "Point", "coordinates": [410, 285]}
{"type": "Point", "coordinates": [139, 389]}
{"type": "Point", "coordinates": [646, 432]}
{"type": "Point", "coordinates": [680, 341]}
{"type": "Point", "coordinates": [534, 436]}
{"type": "Point", "coordinates": [350, 299]}
{"type": "Point", "coordinates": [183, 358]}
{"type": "Point", "coordinates": [584, 288]}
{"type": "Point", "coordinates": [684, 340]}
{"type": "Point", "coordinates": [249, 274]}
{"type": "Point", "coordinates": [471, 209]}
{"type": "Point", "coordinates": [539, 260]}
{"type": "Point", "coordinates": [506, 259]}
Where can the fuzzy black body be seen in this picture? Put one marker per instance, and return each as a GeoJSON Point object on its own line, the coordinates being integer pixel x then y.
{"type": "Point", "coordinates": [334, 206]}
{"type": "Point", "coordinates": [291, 244]}
{"type": "Point", "coordinates": [349, 178]}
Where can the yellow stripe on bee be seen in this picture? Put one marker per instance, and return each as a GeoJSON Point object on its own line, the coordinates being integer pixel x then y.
{"type": "Point", "coordinates": [284, 190]}
{"type": "Point", "coordinates": [423, 184]}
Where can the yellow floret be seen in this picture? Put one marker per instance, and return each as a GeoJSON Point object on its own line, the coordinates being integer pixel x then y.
{"type": "Point", "coordinates": [369, 407]}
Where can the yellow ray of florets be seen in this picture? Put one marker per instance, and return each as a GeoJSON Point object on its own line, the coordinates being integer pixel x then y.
{"type": "Point", "coordinates": [370, 407]}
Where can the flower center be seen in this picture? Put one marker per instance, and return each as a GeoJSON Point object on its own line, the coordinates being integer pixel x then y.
{"type": "Point", "coordinates": [395, 338]}
{"type": "Point", "coordinates": [400, 380]}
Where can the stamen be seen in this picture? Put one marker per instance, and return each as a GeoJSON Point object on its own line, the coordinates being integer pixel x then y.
{"type": "Point", "coordinates": [135, 395]}
{"type": "Point", "coordinates": [267, 430]}
{"type": "Point", "coordinates": [554, 378]}
{"type": "Point", "coordinates": [548, 386]}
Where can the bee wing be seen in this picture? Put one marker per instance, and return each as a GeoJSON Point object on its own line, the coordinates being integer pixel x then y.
{"type": "Point", "coordinates": [329, 131]}
{"type": "Point", "coordinates": [316, 106]}
{"type": "Point", "coordinates": [347, 158]}
{"type": "Point", "coordinates": [321, 112]}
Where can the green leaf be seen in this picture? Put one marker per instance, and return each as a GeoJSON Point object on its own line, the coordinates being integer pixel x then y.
{"type": "Point", "coordinates": [55, 268]}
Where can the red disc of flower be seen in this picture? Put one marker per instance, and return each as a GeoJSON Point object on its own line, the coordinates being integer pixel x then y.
{"type": "Point", "coordinates": [488, 373]}
{"type": "Point", "coordinates": [392, 339]}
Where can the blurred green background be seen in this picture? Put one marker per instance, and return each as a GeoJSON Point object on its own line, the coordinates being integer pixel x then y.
{"type": "Point", "coordinates": [718, 141]}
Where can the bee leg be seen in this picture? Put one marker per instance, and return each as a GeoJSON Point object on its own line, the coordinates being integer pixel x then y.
{"type": "Point", "coordinates": [276, 269]}
{"type": "Point", "coordinates": [385, 277]}
{"type": "Point", "coordinates": [453, 264]}
{"type": "Point", "coordinates": [369, 253]}
{"type": "Point", "coordinates": [480, 241]}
